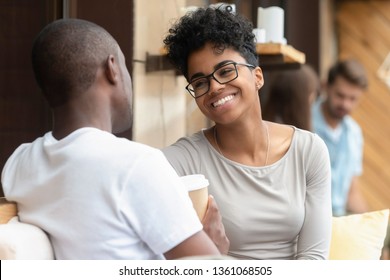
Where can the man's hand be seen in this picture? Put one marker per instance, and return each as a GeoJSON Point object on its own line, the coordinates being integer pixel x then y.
{"type": "Point", "coordinates": [212, 225]}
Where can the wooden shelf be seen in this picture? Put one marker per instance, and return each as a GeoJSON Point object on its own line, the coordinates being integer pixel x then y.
{"type": "Point", "coordinates": [279, 56]}
{"type": "Point", "coordinates": [271, 56]}
{"type": "Point", "coordinates": [290, 55]}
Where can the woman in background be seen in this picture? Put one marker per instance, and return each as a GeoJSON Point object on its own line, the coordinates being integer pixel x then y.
{"type": "Point", "coordinates": [291, 96]}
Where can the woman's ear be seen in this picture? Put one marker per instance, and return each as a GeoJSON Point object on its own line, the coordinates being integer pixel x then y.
{"type": "Point", "coordinates": [259, 78]}
{"type": "Point", "coordinates": [111, 69]}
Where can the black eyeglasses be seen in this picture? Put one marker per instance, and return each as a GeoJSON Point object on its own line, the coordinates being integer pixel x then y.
{"type": "Point", "coordinates": [223, 74]}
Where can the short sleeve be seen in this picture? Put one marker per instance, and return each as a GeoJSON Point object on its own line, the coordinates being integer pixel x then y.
{"type": "Point", "coordinates": [156, 204]}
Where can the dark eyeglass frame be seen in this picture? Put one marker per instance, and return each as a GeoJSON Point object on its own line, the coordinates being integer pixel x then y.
{"type": "Point", "coordinates": [192, 92]}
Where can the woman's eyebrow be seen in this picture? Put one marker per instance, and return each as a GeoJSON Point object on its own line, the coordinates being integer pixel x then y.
{"type": "Point", "coordinates": [200, 74]}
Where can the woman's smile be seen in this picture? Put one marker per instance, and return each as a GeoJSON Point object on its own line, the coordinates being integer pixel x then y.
{"type": "Point", "coordinates": [223, 100]}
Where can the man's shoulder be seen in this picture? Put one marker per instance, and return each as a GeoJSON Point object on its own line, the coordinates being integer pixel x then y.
{"type": "Point", "coordinates": [26, 148]}
{"type": "Point", "coordinates": [352, 125]}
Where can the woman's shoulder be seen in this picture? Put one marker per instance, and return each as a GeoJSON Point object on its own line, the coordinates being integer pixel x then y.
{"type": "Point", "coordinates": [281, 137]}
{"type": "Point", "coordinates": [308, 139]}
{"type": "Point", "coordinates": [288, 133]}
{"type": "Point", "coordinates": [310, 144]}
{"type": "Point", "coordinates": [186, 153]}
{"type": "Point", "coordinates": [197, 139]}
{"type": "Point", "coordinates": [287, 138]}
{"type": "Point", "coordinates": [187, 146]}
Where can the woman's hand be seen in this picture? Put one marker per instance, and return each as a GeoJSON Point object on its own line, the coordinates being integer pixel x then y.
{"type": "Point", "coordinates": [212, 225]}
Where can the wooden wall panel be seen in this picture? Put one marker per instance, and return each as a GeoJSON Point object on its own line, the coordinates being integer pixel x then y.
{"type": "Point", "coordinates": [24, 114]}
{"type": "Point", "coordinates": [363, 29]}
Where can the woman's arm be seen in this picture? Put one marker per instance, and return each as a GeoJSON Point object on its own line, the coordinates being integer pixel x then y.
{"type": "Point", "coordinates": [315, 235]}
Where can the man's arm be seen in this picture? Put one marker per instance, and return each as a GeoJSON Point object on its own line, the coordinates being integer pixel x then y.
{"type": "Point", "coordinates": [356, 202]}
{"type": "Point", "coordinates": [211, 241]}
{"type": "Point", "coordinates": [198, 244]}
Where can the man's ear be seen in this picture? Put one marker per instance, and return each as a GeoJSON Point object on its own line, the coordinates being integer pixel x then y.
{"type": "Point", "coordinates": [111, 69]}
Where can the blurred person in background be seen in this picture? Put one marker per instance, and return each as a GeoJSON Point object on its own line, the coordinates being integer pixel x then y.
{"type": "Point", "coordinates": [291, 96]}
{"type": "Point", "coordinates": [347, 80]}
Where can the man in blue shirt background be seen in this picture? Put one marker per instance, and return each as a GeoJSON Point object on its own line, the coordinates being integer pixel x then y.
{"type": "Point", "coordinates": [346, 83]}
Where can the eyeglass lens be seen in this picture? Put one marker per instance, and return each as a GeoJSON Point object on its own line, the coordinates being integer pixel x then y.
{"type": "Point", "coordinates": [222, 75]}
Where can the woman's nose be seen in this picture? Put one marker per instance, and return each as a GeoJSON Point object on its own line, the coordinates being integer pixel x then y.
{"type": "Point", "coordinates": [215, 86]}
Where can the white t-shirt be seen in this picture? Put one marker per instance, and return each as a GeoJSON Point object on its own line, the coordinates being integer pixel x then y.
{"type": "Point", "coordinates": [99, 196]}
{"type": "Point", "coordinates": [278, 211]}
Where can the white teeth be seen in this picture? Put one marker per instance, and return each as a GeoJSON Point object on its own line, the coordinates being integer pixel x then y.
{"type": "Point", "coordinates": [223, 100]}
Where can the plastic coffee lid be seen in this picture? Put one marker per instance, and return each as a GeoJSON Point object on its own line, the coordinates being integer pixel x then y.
{"type": "Point", "coordinates": [194, 181]}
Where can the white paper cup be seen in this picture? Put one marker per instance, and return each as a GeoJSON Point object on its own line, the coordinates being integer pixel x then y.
{"type": "Point", "coordinates": [197, 190]}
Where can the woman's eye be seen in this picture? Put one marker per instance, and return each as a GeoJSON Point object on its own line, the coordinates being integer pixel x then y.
{"type": "Point", "coordinates": [199, 83]}
{"type": "Point", "coordinates": [225, 71]}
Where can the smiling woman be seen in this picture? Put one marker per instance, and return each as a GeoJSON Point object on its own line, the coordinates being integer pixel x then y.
{"type": "Point", "coordinates": [271, 181]}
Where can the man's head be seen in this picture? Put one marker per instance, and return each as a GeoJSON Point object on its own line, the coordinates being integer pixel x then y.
{"type": "Point", "coordinates": [67, 57]}
{"type": "Point", "coordinates": [217, 26]}
{"type": "Point", "coordinates": [347, 81]}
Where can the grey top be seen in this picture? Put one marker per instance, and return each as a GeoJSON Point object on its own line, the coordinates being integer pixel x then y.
{"type": "Point", "coordinates": [279, 211]}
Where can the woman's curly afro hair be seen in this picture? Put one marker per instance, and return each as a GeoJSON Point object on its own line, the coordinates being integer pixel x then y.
{"type": "Point", "coordinates": [217, 26]}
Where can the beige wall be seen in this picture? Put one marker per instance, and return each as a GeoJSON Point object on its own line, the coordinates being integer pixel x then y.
{"type": "Point", "coordinates": [163, 111]}
{"type": "Point", "coordinates": [159, 97]}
